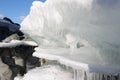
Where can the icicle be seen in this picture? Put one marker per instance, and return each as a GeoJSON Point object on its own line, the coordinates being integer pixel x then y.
{"type": "Point", "coordinates": [100, 77]}
{"type": "Point", "coordinates": [84, 75]}
{"type": "Point", "coordinates": [96, 76]}
{"type": "Point", "coordinates": [78, 75]}
{"type": "Point", "coordinates": [119, 76]}
{"type": "Point", "coordinates": [75, 74]}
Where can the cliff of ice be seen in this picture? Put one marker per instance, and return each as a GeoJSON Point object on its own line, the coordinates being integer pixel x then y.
{"type": "Point", "coordinates": [82, 31]}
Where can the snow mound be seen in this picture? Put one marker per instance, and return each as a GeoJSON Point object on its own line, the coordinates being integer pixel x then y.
{"type": "Point", "coordinates": [48, 72]}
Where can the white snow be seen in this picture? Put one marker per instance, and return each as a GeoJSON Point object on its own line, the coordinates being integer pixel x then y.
{"type": "Point", "coordinates": [48, 72]}
{"type": "Point", "coordinates": [13, 43]}
{"type": "Point", "coordinates": [86, 30]}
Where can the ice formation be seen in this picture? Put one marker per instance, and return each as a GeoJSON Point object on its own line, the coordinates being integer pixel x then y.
{"type": "Point", "coordinates": [77, 32]}
{"type": "Point", "coordinates": [49, 72]}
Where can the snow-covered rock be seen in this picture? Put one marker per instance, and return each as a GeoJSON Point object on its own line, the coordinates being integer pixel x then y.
{"type": "Point", "coordinates": [86, 30]}
{"type": "Point", "coordinates": [14, 43]}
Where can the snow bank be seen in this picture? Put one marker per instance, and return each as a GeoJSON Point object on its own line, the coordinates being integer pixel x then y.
{"type": "Point", "coordinates": [50, 72]}
{"type": "Point", "coordinates": [89, 28]}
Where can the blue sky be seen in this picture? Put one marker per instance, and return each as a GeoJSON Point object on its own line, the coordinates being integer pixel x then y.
{"type": "Point", "coordinates": [15, 9]}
